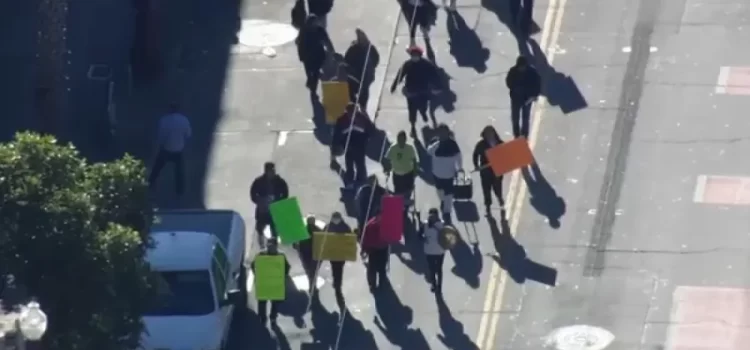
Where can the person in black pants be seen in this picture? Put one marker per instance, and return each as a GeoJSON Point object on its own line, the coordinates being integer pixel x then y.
{"type": "Point", "coordinates": [313, 44]}
{"type": "Point", "coordinates": [266, 189]}
{"type": "Point", "coordinates": [338, 225]}
{"type": "Point", "coordinates": [421, 78]}
{"type": "Point", "coordinates": [490, 182]}
{"type": "Point", "coordinates": [524, 84]}
{"type": "Point", "coordinates": [361, 59]}
{"type": "Point", "coordinates": [376, 252]}
{"type": "Point", "coordinates": [350, 135]}
{"type": "Point", "coordinates": [434, 251]}
{"type": "Point", "coordinates": [262, 304]}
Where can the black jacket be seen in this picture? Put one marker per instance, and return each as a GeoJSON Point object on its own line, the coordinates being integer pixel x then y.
{"type": "Point", "coordinates": [360, 131]}
{"type": "Point", "coordinates": [311, 43]}
{"type": "Point", "coordinates": [357, 60]}
{"type": "Point", "coordinates": [419, 75]}
{"type": "Point", "coordinates": [479, 158]}
{"type": "Point", "coordinates": [262, 188]}
{"type": "Point", "coordinates": [523, 85]}
{"type": "Point", "coordinates": [320, 8]}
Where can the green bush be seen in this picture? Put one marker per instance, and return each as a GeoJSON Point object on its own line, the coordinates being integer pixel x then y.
{"type": "Point", "coordinates": [75, 235]}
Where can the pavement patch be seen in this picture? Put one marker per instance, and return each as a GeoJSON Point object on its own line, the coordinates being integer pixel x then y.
{"type": "Point", "coordinates": [722, 190]}
{"type": "Point", "coordinates": [709, 318]}
{"type": "Point", "coordinates": [259, 35]}
{"type": "Point", "coordinates": [580, 337]}
{"type": "Point", "coordinates": [733, 81]}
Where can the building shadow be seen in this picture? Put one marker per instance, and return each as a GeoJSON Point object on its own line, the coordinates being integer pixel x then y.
{"type": "Point", "coordinates": [559, 88]}
{"type": "Point", "coordinates": [394, 320]}
{"type": "Point", "coordinates": [544, 198]}
{"type": "Point", "coordinates": [465, 46]}
{"type": "Point", "coordinates": [453, 331]}
{"type": "Point", "coordinates": [511, 256]}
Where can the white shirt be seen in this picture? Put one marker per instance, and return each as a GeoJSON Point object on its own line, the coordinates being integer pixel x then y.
{"type": "Point", "coordinates": [174, 130]}
{"type": "Point", "coordinates": [432, 240]}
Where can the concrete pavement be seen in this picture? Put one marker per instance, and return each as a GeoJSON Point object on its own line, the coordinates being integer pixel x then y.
{"type": "Point", "coordinates": [648, 182]}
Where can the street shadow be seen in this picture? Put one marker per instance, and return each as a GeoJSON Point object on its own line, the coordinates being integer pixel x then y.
{"type": "Point", "coordinates": [468, 262]}
{"type": "Point", "coordinates": [465, 45]}
{"type": "Point", "coordinates": [445, 98]}
{"type": "Point", "coordinates": [246, 329]}
{"type": "Point", "coordinates": [194, 44]}
{"type": "Point", "coordinates": [394, 319]}
{"type": "Point", "coordinates": [354, 335]}
{"type": "Point", "coordinates": [559, 88]}
{"type": "Point", "coordinates": [296, 303]}
{"type": "Point", "coordinates": [502, 9]}
{"type": "Point", "coordinates": [411, 253]}
{"type": "Point", "coordinates": [544, 198]}
{"type": "Point", "coordinates": [425, 160]}
{"type": "Point", "coordinates": [282, 343]}
{"type": "Point", "coordinates": [454, 335]}
{"type": "Point", "coordinates": [512, 256]}
{"type": "Point", "coordinates": [466, 211]}
{"type": "Point", "coordinates": [325, 324]}
{"type": "Point", "coordinates": [420, 18]}
{"type": "Point", "coordinates": [377, 145]}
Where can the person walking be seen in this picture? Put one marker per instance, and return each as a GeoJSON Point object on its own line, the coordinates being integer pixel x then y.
{"type": "Point", "coordinates": [272, 250]}
{"type": "Point", "coordinates": [524, 84]}
{"type": "Point", "coordinates": [404, 163]}
{"type": "Point", "coordinates": [361, 59]}
{"type": "Point", "coordinates": [339, 226]}
{"type": "Point", "coordinates": [368, 200]}
{"type": "Point", "coordinates": [312, 49]}
{"type": "Point", "coordinates": [266, 189]}
{"type": "Point", "coordinates": [446, 163]}
{"type": "Point", "coordinates": [376, 252]}
{"type": "Point", "coordinates": [434, 251]}
{"type": "Point", "coordinates": [490, 182]}
{"type": "Point", "coordinates": [351, 134]}
{"type": "Point", "coordinates": [173, 132]}
{"type": "Point", "coordinates": [421, 79]}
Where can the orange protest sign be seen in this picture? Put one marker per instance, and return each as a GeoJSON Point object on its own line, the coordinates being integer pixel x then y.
{"type": "Point", "coordinates": [509, 156]}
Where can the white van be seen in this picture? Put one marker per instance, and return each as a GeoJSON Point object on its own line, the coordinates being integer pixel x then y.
{"type": "Point", "coordinates": [202, 279]}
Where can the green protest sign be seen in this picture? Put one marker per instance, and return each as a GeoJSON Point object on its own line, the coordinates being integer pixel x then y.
{"type": "Point", "coordinates": [287, 219]}
{"type": "Point", "coordinates": [270, 277]}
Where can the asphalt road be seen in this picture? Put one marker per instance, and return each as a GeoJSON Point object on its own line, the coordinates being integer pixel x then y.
{"type": "Point", "coordinates": [652, 246]}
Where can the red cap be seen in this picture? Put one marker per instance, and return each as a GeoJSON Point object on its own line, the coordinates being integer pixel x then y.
{"type": "Point", "coordinates": [415, 50]}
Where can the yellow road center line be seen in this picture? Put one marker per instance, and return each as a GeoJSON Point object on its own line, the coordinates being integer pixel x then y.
{"type": "Point", "coordinates": [517, 190]}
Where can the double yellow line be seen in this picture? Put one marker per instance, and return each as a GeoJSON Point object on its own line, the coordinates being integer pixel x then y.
{"type": "Point", "coordinates": [517, 194]}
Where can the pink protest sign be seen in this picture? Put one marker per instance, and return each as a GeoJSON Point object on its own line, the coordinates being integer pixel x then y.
{"type": "Point", "coordinates": [392, 218]}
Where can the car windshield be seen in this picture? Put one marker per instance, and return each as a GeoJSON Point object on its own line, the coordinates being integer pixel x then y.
{"type": "Point", "coordinates": [183, 293]}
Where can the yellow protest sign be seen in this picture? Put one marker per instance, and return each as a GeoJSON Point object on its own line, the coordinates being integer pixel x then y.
{"type": "Point", "coordinates": [270, 277]}
{"type": "Point", "coordinates": [335, 99]}
{"type": "Point", "coordinates": [334, 246]}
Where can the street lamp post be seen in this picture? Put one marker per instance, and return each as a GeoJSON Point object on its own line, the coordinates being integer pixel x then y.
{"type": "Point", "coordinates": [30, 325]}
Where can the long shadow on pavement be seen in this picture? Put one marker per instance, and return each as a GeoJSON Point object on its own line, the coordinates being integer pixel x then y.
{"type": "Point", "coordinates": [544, 198]}
{"type": "Point", "coordinates": [502, 9]}
{"type": "Point", "coordinates": [466, 253]}
{"type": "Point", "coordinates": [559, 88]}
{"type": "Point", "coordinates": [329, 332]}
{"type": "Point", "coordinates": [512, 256]}
{"type": "Point", "coordinates": [394, 319]}
{"type": "Point", "coordinates": [465, 45]}
{"type": "Point", "coordinates": [454, 335]}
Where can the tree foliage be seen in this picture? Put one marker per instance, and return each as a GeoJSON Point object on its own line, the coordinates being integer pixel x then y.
{"type": "Point", "coordinates": [75, 236]}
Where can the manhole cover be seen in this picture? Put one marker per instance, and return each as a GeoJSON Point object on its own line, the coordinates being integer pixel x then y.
{"type": "Point", "coordinates": [580, 337]}
{"type": "Point", "coordinates": [259, 33]}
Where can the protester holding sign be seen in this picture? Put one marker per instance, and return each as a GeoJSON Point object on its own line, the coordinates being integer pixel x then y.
{"type": "Point", "coordinates": [446, 162]}
{"type": "Point", "coordinates": [338, 226]}
{"type": "Point", "coordinates": [490, 182]}
{"type": "Point", "coordinates": [265, 266]}
{"type": "Point", "coordinates": [433, 250]}
{"type": "Point", "coordinates": [351, 135]}
{"type": "Point", "coordinates": [266, 189]}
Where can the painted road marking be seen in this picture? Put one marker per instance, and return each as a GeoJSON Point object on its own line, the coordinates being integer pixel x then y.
{"type": "Point", "coordinates": [733, 81]}
{"type": "Point", "coordinates": [709, 318]}
{"type": "Point", "coordinates": [579, 337]}
{"type": "Point", "coordinates": [722, 190]}
{"type": "Point", "coordinates": [517, 192]}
